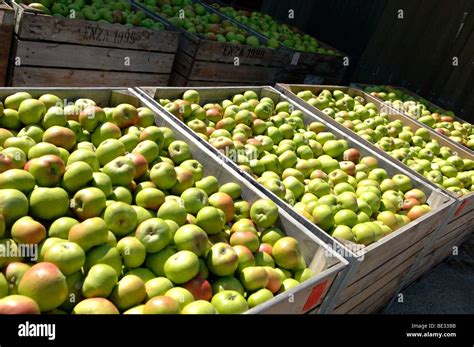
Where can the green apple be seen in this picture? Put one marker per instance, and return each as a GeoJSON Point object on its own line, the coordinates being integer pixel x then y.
{"type": "Point", "coordinates": [229, 302]}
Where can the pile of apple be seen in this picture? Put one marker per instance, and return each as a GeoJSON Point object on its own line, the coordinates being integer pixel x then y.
{"type": "Point", "coordinates": [196, 19]}
{"type": "Point", "coordinates": [124, 219]}
{"type": "Point", "coordinates": [326, 181]}
{"type": "Point", "coordinates": [415, 148]}
{"type": "Point", "coordinates": [442, 121]}
{"type": "Point", "coordinates": [105, 11]}
{"type": "Point", "coordinates": [277, 32]}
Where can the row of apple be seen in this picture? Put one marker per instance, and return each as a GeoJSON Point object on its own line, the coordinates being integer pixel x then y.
{"type": "Point", "coordinates": [125, 220]}
{"type": "Point", "coordinates": [444, 122]}
{"type": "Point", "coordinates": [277, 32]}
{"type": "Point", "coordinates": [102, 11]}
{"type": "Point", "coordinates": [414, 147]}
{"type": "Point", "coordinates": [330, 184]}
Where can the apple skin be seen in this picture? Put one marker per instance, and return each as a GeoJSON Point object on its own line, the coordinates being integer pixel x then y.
{"type": "Point", "coordinates": [254, 278]}
{"type": "Point", "coordinates": [90, 118]}
{"type": "Point", "coordinates": [163, 175]}
{"type": "Point", "coordinates": [67, 256]}
{"type": "Point", "coordinates": [48, 203]}
{"type": "Point", "coordinates": [199, 288]}
{"type": "Point", "coordinates": [229, 302]}
{"type": "Point", "coordinates": [199, 307]}
{"type": "Point", "coordinates": [132, 251]}
{"type": "Point", "coordinates": [161, 305]}
{"type": "Point", "coordinates": [31, 111]}
{"type": "Point", "coordinates": [95, 306]}
{"type": "Point", "coordinates": [154, 233]}
{"type": "Point", "coordinates": [91, 232]}
{"type": "Point", "coordinates": [60, 137]}
{"type": "Point", "coordinates": [211, 219]}
{"type": "Point", "coordinates": [245, 238]}
{"type": "Point", "coordinates": [88, 203]}
{"type": "Point", "coordinates": [108, 150]}
{"type": "Point", "coordinates": [191, 238]}
{"type": "Point", "coordinates": [125, 115]}
{"type": "Point", "coordinates": [128, 292]}
{"type": "Point", "coordinates": [13, 274]}
{"type": "Point", "coordinates": [47, 170]}
{"type": "Point", "coordinates": [264, 213]}
{"type": "Point", "coordinates": [99, 281]}
{"type": "Point", "coordinates": [181, 267]}
{"type": "Point", "coordinates": [157, 286]}
{"type": "Point", "coordinates": [18, 304]}
{"type": "Point", "coordinates": [259, 297]}
{"type": "Point", "coordinates": [28, 231]}
{"type": "Point", "coordinates": [121, 218]}
{"type": "Point", "coordinates": [76, 176]}
{"type": "Point", "coordinates": [121, 171]}
{"type": "Point", "coordinates": [222, 260]}
{"type": "Point", "coordinates": [287, 254]}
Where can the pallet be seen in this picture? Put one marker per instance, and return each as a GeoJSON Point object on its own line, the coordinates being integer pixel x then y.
{"type": "Point", "coordinates": [389, 259]}
{"type": "Point", "coordinates": [7, 17]}
{"type": "Point", "coordinates": [54, 51]}
{"type": "Point", "coordinates": [458, 222]}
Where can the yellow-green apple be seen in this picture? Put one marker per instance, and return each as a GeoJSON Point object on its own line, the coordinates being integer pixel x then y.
{"type": "Point", "coordinates": [67, 256]}
{"type": "Point", "coordinates": [161, 305]}
{"type": "Point", "coordinates": [232, 189]}
{"type": "Point", "coordinates": [264, 213]}
{"type": "Point", "coordinates": [199, 307]}
{"type": "Point", "coordinates": [271, 235]}
{"type": "Point", "coordinates": [104, 254]}
{"type": "Point", "coordinates": [42, 148]}
{"type": "Point", "coordinates": [184, 180]}
{"type": "Point", "coordinates": [28, 231]}
{"type": "Point", "coordinates": [18, 304]}
{"type": "Point", "coordinates": [13, 101]}
{"type": "Point", "coordinates": [141, 272]}
{"type": "Point", "coordinates": [364, 233]}
{"type": "Point", "coordinates": [222, 259]}
{"type": "Point", "coordinates": [343, 232]}
{"type": "Point", "coordinates": [47, 170]}
{"type": "Point", "coordinates": [17, 179]}
{"type": "Point", "coordinates": [91, 232]}
{"type": "Point", "coordinates": [85, 155]}
{"type": "Point", "coordinates": [77, 175]}
{"type": "Point", "coordinates": [50, 100]}
{"type": "Point", "coordinates": [102, 181]}
{"type": "Point", "coordinates": [303, 274]}
{"type": "Point", "coordinates": [181, 267]}
{"type": "Point", "coordinates": [274, 279]}
{"type": "Point", "coordinates": [223, 202]}
{"type": "Point", "coordinates": [179, 151]}
{"type": "Point", "coordinates": [31, 111]}
{"type": "Point", "coordinates": [403, 182]}
{"type": "Point", "coordinates": [13, 274]}
{"type": "Point", "coordinates": [156, 261]}
{"type": "Point", "coordinates": [323, 216]}
{"type": "Point", "coordinates": [130, 141]}
{"type": "Point", "coordinates": [195, 167]}
{"type": "Point", "coordinates": [173, 210]}
{"type": "Point", "coordinates": [254, 278]}
{"type": "Point", "coordinates": [163, 175]}
{"type": "Point", "coordinates": [100, 281]}
{"type": "Point", "coordinates": [22, 142]}
{"type": "Point", "coordinates": [259, 297]}
{"type": "Point", "coordinates": [287, 254]}
{"type": "Point", "coordinates": [345, 217]}
{"type": "Point", "coordinates": [128, 292]}
{"type": "Point", "coordinates": [120, 170]}
{"type": "Point", "coordinates": [192, 238]}
{"type": "Point", "coordinates": [211, 219]}
{"type": "Point", "coordinates": [154, 233]}
{"type": "Point", "coordinates": [125, 115]}
{"type": "Point", "coordinates": [149, 149]}
{"type": "Point", "coordinates": [245, 255]}
{"type": "Point", "coordinates": [227, 283]}
{"type": "Point", "coordinates": [209, 184]}
{"type": "Point", "coordinates": [61, 226]}
{"type": "Point", "coordinates": [263, 259]}
{"type": "Point", "coordinates": [60, 137]}
{"type": "Point", "coordinates": [157, 286]}
{"type": "Point", "coordinates": [194, 200]}
{"type": "Point", "coordinates": [146, 117]}
{"type": "Point", "coordinates": [121, 218]}
{"type": "Point", "coordinates": [109, 150]}
{"type": "Point", "coordinates": [95, 306]}
{"type": "Point", "coordinates": [104, 132]}
{"type": "Point", "coordinates": [54, 116]}
{"type": "Point", "coordinates": [90, 118]}
{"type": "Point", "coordinates": [229, 302]}
{"type": "Point", "coordinates": [88, 202]}
{"type": "Point", "coordinates": [48, 203]}
{"type": "Point", "coordinates": [45, 284]}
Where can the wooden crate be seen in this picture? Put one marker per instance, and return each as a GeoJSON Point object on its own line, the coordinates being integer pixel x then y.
{"type": "Point", "coordinates": [430, 105]}
{"type": "Point", "coordinates": [302, 66]}
{"type": "Point", "coordinates": [459, 221]}
{"type": "Point", "coordinates": [200, 61]}
{"type": "Point", "coordinates": [377, 268]}
{"type": "Point", "coordinates": [7, 17]}
{"type": "Point", "coordinates": [52, 51]}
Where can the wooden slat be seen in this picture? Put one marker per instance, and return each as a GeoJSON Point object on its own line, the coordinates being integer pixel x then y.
{"type": "Point", "coordinates": [50, 28]}
{"type": "Point", "coordinates": [6, 30]}
{"type": "Point", "coordinates": [48, 54]}
{"type": "Point", "coordinates": [183, 63]}
{"type": "Point", "coordinates": [208, 71]}
{"type": "Point", "coordinates": [35, 76]}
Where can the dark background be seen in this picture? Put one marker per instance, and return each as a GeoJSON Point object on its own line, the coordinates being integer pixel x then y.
{"type": "Point", "coordinates": [415, 51]}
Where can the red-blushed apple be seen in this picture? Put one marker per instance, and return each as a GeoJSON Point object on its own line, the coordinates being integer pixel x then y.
{"type": "Point", "coordinates": [95, 306]}
{"type": "Point", "coordinates": [199, 307]}
{"type": "Point", "coordinates": [245, 238]}
{"type": "Point", "coordinates": [199, 288]}
{"type": "Point", "coordinates": [91, 232]}
{"type": "Point", "coordinates": [128, 292]}
{"type": "Point", "coordinates": [45, 284]}
{"type": "Point", "coordinates": [274, 279]}
{"type": "Point", "coordinates": [13, 274]}
{"type": "Point", "coordinates": [223, 202]}
{"type": "Point", "coordinates": [181, 295]}
{"type": "Point", "coordinates": [287, 254]}
{"type": "Point", "coordinates": [28, 231]}
{"type": "Point", "coordinates": [60, 137]}
{"type": "Point", "coordinates": [184, 180]}
{"type": "Point", "coordinates": [161, 305]}
{"type": "Point", "coordinates": [418, 211]}
{"type": "Point", "coordinates": [409, 203]}
{"type": "Point", "coordinates": [229, 302]}
{"type": "Point", "coordinates": [47, 170]}
{"type": "Point", "coordinates": [222, 260]}
{"type": "Point", "coordinates": [243, 225]}
{"type": "Point", "coordinates": [246, 257]}
{"type": "Point", "coordinates": [140, 163]}
{"type": "Point", "coordinates": [90, 118]}
{"type": "Point", "coordinates": [18, 304]}
{"type": "Point", "coordinates": [417, 194]}
{"type": "Point", "coordinates": [254, 277]}
{"type": "Point", "coordinates": [265, 247]}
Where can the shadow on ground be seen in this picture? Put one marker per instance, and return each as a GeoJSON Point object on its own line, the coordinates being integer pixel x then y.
{"type": "Point", "coordinates": [446, 289]}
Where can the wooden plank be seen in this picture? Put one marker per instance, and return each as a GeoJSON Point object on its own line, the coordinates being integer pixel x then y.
{"type": "Point", "coordinates": [7, 16]}
{"type": "Point", "coordinates": [39, 27]}
{"type": "Point", "coordinates": [36, 77]}
{"type": "Point", "coordinates": [183, 63]}
{"type": "Point", "coordinates": [247, 55]}
{"type": "Point", "coordinates": [177, 80]}
{"type": "Point", "coordinates": [48, 54]}
{"type": "Point", "coordinates": [208, 71]}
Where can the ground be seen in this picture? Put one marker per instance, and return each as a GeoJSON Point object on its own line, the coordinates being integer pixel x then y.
{"type": "Point", "coordinates": [446, 289]}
